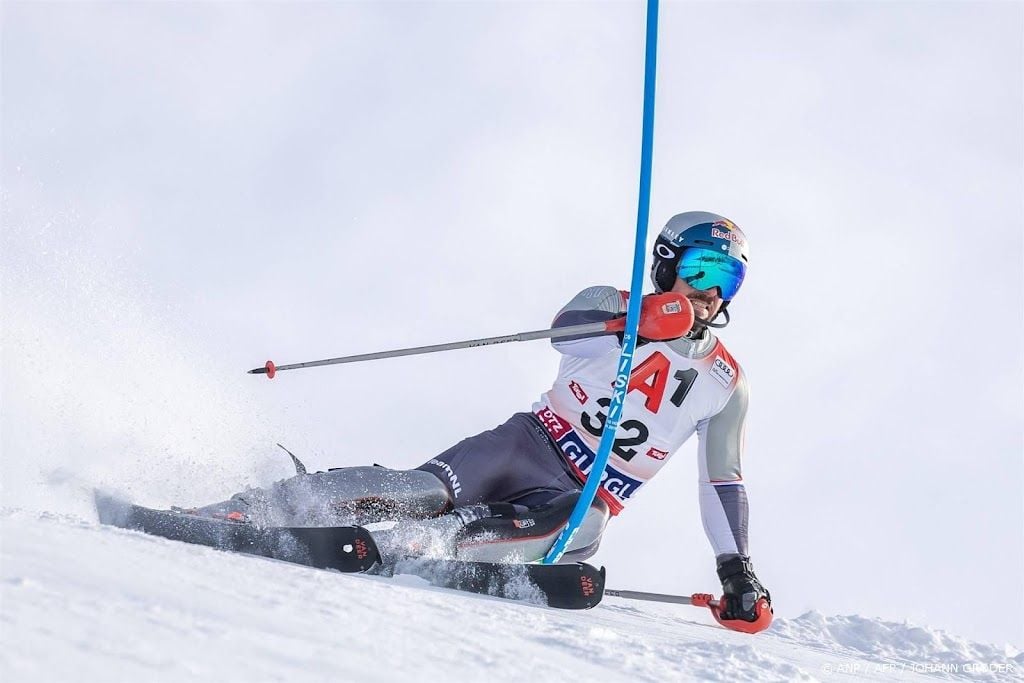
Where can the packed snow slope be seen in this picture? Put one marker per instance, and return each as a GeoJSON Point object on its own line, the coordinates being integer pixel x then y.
{"type": "Point", "coordinates": [86, 602]}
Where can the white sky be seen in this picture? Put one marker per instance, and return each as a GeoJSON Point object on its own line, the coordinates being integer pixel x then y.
{"type": "Point", "coordinates": [189, 189]}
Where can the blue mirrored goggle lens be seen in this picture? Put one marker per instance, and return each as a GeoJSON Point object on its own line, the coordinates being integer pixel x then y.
{"type": "Point", "coordinates": [704, 269]}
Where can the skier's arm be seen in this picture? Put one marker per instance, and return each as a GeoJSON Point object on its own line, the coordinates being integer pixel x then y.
{"type": "Point", "coordinates": [592, 305]}
{"type": "Point", "coordinates": [723, 498]}
{"type": "Point", "coordinates": [723, 505]}
{"type": "Point", "coordinates": [663, 316]}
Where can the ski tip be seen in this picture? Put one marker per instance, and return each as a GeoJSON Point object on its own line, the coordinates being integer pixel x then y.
{"type": "Point", "coordinates": [110, 509]}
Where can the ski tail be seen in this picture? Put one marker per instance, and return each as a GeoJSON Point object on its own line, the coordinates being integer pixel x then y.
{"type": "Point", "coordinates": [563, 586]}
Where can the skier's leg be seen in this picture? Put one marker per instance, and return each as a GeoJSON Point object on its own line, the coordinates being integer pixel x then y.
{"type": "Point", "coordinates": [498, 532]}
{"type": "Point", "coordinates": [492, 477]}
{"type": "Point", "coordinates": [500, 464]}
{"type": "Point", "coordinates": [515, 462]}
{"type": "Point", "coordinates": [347, 495]}
{"type": "Point", "coordinates": [512, 533]}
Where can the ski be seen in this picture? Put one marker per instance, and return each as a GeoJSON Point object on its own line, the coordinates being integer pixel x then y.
{"type": "Point", "coordinates": [352, 549]}
{"type": "Point", "coordinates": [347, 548]}
{"type": "Point", "coordinates": [563, 586]}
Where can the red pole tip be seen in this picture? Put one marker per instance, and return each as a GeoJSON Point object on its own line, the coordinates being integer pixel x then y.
{"type": "Point", "coordinates": [271, 369]}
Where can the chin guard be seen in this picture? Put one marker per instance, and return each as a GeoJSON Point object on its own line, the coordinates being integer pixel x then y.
{"type": "Point", "coordinates": [697, 322]}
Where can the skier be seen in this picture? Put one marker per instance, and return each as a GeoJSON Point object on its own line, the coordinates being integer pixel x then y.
{"type": "Point", "coordinates": [506, 493]}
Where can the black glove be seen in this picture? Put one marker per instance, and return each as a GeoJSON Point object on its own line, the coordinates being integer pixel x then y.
{"type": "Point", "coordinates": [741, 589]}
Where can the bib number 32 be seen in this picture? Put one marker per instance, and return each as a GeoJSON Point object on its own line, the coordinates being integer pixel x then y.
{"type": "Point", "coordinates": [640, 432]}
{"type": "Point", "coordinates": [621, 447]}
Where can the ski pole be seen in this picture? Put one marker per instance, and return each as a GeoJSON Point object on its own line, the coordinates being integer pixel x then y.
{"type": "Point", "coordinates": [661, 597]}
{"type": "Point", "coordinates": [666, 316]}
{"type": "Point", "coordinates": [605, 327]}
{"type": "Point", "coordinates": [762, 609]}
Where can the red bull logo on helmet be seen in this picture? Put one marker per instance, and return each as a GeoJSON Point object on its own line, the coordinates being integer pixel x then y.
{"type": "Point", "coordinates": [727, 233]}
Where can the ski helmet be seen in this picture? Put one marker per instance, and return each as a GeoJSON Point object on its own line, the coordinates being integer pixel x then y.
{"type": "Point", "coordinates": [708, 246]}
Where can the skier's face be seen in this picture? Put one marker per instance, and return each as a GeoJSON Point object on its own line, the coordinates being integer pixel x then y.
{"type": "Point", "coordinates": [706, 302]}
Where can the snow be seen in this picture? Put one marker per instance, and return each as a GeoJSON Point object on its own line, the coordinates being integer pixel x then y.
{"type": "Point", "coordinates": [85, 602]}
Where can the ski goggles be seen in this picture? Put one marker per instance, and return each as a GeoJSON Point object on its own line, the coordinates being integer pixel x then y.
{"type": "Point", "coordinates": [704, 269]}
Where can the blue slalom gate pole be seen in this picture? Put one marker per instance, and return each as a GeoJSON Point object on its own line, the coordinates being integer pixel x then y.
{"type": "Point", "coordinates": [629, 336]}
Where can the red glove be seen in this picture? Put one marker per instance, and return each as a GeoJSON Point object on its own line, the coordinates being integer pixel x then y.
{"type": "Point", "coordinates": [665, 316]}
{"type": "Point", "coordinates": [662, 316]}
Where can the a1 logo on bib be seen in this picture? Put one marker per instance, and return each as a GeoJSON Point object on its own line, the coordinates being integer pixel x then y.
{"type": "Point", "coordinates": [723, 372]}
